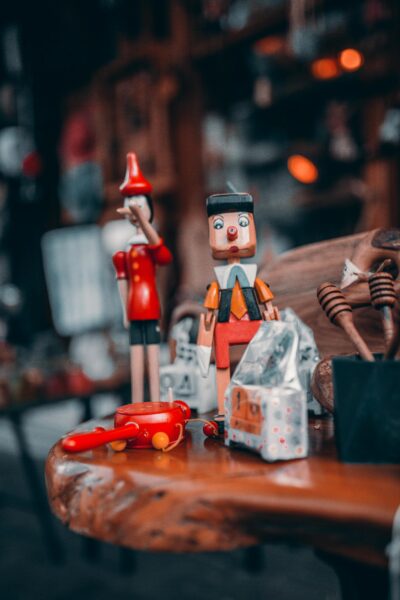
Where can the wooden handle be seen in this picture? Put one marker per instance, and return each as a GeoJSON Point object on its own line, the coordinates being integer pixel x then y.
{"type": "Point", "coordinates": [80, 442]}
{"type": "Point", "coordinates": [338, 310]}
{"type": "Point", "coordinates": [345, 321]}
{"type": "Point", "coordinates": [394, 343]}
{"type": "Point", "coordinates": [383, 298]}
{"type": "Point", "coordinates": [332, 301]}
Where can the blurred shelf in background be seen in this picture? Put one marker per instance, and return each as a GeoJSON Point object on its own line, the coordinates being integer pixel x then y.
{"type": "Point", "coordinates": [207, 91]}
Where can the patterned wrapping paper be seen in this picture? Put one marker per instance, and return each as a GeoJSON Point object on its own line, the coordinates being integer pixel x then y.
{"type": "Point", "coordinates": [269, 420]}
{"type": "Point", "coordinates": [266, 402]}
{"type": "Point", "coordinates": [183, 376]}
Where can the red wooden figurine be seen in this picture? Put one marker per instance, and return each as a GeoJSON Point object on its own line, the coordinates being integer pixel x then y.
{"type": "Point", "coordinates": [135, 268]}
{"type": "Point", "coordinates": [232, 301]}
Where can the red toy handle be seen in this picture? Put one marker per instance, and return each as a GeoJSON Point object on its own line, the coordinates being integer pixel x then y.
{"type": "Point", "coordinates": [92, 439]}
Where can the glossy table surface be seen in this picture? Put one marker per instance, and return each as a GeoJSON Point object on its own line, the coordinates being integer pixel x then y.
{"type": "Point", "coordinates": [204, 496]}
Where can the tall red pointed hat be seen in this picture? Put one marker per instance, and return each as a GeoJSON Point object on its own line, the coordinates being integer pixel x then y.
{"type": "Point", "coordinates": [134, 183]}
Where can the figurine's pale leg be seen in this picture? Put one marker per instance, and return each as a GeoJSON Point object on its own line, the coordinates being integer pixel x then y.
{"type": "Point", "coordinates": [153, 362]}
{"type": "Point", "coordinates": [223, 379]}
{"type": "Point", "coordinates": [137, 372]}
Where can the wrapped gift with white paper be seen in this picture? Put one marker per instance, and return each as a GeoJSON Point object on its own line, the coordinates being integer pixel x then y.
{"type": "Point", "coordinates": [269, 420]}
{"type": "Point", "coordinates": [266, 401]}
{"type": "Point", "coordinates": [183, 376]}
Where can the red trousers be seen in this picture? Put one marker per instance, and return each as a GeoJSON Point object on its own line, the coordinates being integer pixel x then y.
{"type": "Point", "coordinates": [232, 334]}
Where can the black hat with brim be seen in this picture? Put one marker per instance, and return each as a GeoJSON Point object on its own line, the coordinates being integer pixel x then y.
{"type": "Point", "coordinates": [222, 203]}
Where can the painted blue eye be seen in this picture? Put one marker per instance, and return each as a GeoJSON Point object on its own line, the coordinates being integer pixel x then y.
{"type": "Point", "coordinates": [244, 221]}
{"type": "Point", "coordinates": [218, 224]}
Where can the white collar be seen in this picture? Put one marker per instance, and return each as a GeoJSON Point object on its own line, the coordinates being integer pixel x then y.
{"type": "Point", "coordinates": [222, 273]}
{"type": "Point", "coordinates": [138, 238]}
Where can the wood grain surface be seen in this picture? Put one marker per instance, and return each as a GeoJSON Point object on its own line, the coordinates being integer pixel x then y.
{"type": "Point", "coordinates": [294, 278]}
{"type": "Point", "coordinates": [204, 496]}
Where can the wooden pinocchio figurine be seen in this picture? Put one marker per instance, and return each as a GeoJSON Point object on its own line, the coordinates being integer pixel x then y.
{"type": "Point", "coordinates": [232, 301]}
{"type": "Point", "coordinates": [135, 270]}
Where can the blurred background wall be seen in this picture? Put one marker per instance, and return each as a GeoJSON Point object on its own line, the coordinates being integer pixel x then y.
{"type": "Point", "coordinates": [297, 102]}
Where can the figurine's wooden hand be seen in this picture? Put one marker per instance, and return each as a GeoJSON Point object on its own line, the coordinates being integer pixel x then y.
{"type": "Point", "coordinates": [204, 342]}
{"type": "Point", "coordinates": [208, 319]}
{"type": "Point", "coordinates": [206, 332]}
{"type": "Point", "coordinates": [124, 212]}
{"type": "Point", "coordinates": [136, 216]}
{"type": "Point", "coordinates": [134, 213]}
{"type": "Point", "coordinates": [271, 312]}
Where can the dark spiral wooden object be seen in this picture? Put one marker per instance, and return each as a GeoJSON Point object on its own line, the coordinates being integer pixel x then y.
{"type": "Point", "coordinates": [381, 287]}
{"type": "Point", "coordinates": [383, 298]}
{"type": "Point", "coordinates": [332, 301]}
{"type": "Point", "coordinates": [338, 310]}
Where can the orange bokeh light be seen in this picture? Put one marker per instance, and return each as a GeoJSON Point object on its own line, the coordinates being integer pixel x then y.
{"type": "Point", "coordinates": [272, 44]}
{"type": "Point", "coordinates": [302, 168]}
{"type": "Point", "coordinates": [325, 68]}
{"type": "Point", "coordinates": [351, 59]}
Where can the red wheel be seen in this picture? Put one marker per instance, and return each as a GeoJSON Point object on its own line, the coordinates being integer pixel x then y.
{"type": "Point", "coordinates": [210, 429]}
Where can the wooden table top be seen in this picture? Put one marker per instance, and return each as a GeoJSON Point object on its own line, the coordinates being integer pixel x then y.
{"type": "Point", "coordinates": [203, 497]}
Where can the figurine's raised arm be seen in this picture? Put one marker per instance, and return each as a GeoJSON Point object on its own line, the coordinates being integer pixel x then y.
{"type": "Point", "coordinates": [134, 212]}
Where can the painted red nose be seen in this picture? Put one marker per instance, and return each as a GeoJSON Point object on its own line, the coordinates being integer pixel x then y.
{"type": "Point", "coordinates": [232, 233]}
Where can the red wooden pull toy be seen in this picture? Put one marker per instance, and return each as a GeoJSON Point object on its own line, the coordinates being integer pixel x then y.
{"type": "Point", "coordinates": [159, 425]}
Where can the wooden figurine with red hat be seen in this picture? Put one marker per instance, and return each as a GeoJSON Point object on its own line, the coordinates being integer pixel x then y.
{"type": "Point", "coordinates": [136, 269]}
{"type": "Point", "coordinates": [232, 301]}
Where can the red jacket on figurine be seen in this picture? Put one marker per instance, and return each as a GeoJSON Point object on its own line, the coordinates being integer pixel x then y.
{"type": "Point", "coordinates": [137, 265]}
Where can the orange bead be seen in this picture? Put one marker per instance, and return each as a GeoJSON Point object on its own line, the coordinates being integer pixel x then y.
{"type": "Point", "coordinates": [118, 445]}
{"type": "Point", "coordinates": [160, 440]}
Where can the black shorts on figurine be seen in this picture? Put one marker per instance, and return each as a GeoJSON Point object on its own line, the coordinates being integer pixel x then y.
{"type": "Point", "coordinates": [144, 332]}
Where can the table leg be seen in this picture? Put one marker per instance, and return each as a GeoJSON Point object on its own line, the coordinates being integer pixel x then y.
{"type": "Point", "coordinates": [86, 403]}
{"type": "Point", "coordinates": [52, 542]}
{"type": "Point", "coordinates": [91, 547]}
